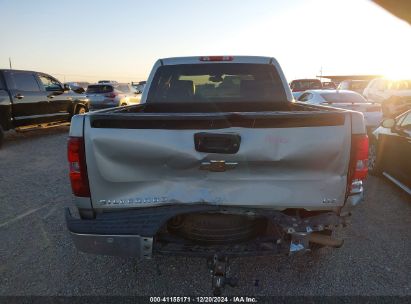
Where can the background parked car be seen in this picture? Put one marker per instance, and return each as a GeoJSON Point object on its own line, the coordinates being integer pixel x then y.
{"type": "Point", "coordinates": [139, 86]}
{"type": "Point", "coordinates": [390, 151]}
{"type": "Point", "coordinates": [108, 81]}
{"type": "Point", "coordinates": [393, 95]}
{"type": "Point", "coordinates": [78, 87]}
{"type": "Point", "coordinates": [329, 85]}
{"type": "Point", "coordinates": [103, 96]}
{"type": "Point", "coordinates": [346, 100]}
{"type": "Point", "coordinates": [353, 85]}
{"type": "Point", "coordinates": [300, 85]}
{"type": "Point", "coordinates": [30, 98]}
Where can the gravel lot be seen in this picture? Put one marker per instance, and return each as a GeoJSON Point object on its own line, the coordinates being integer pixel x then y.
{"type": "Point", "coordinates": [37, 256]}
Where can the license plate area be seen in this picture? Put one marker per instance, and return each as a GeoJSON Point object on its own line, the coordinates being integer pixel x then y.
{"type": "Point", "coordinates": [217, 143]}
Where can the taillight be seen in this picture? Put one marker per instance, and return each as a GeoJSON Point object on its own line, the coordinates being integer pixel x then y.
{"type": "Point", "coordinates": [78, 170]}
{"type": "Point", "coordinates": [359, 158]}
{"type": "Point", "coordinates": [110, 95]}
{"type": "Point", "coordinates": [217, 58]}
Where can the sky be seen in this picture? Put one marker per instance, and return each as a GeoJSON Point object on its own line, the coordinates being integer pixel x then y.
{"type": "Point", "coordinates": [88, 40]}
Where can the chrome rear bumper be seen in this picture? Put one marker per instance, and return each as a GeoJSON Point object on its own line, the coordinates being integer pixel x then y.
{"type": "Point", "coordinates": [90, 240]}
{"type": "Point", "coordinates": [116, 245]}
{"type": "Point", "coordinates": [131, 232]}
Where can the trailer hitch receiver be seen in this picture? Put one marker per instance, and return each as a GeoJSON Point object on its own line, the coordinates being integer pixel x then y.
{"type": "Point", "coordinates": [219, 266]}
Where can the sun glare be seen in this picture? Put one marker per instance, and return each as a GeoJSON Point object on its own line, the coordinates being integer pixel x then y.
{"type": "Point", "coordinates": [358, 37]}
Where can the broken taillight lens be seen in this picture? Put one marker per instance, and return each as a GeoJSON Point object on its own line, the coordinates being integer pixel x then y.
{"type": "Point", "coordinates": [78, 170]}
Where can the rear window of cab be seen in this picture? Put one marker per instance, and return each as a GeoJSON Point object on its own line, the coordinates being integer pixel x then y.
{"type": "Point", "coordinates": [215, 82]}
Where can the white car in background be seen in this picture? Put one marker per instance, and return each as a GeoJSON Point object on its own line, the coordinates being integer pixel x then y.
{"type": "Point", "coordinates": [103, 96]}
{"type": "Point", "coordinates": [298, 86]}
{"type": "Point", "coordinates": [393, 95]}
{"type": "Point", "coordinates": [345, 99]}
{"type": "Point", "coordinates": [107, 82]}
{"type": "Point", "coordinates": [353, 85]}
{"type": "Point", "coordinates": [139, 86]}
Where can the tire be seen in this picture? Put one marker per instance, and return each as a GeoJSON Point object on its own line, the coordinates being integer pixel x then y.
{"type": "Point", "coordinates": [1, 136]}
{"type": "Point", "coordinates": [81, 110]}
{"type": "Point", "coordinates": [374, 166]}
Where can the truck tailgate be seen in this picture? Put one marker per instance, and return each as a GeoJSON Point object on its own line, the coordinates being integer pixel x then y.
{"type": "Point", "coordinates": [284, 160]}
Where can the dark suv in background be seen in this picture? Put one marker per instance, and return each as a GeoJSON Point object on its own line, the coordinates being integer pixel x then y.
{"type": "Point", "coordinates": [30, 98]}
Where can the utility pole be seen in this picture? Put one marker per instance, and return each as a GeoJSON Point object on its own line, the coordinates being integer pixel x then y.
{"type": "Point", "coordinates": [10, 63]}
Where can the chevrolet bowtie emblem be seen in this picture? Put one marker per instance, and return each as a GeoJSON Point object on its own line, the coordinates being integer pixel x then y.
{"type": "Point", "coordinates": [217, 165]}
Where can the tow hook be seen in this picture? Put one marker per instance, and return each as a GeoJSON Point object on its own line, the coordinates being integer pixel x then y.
{"type": "Point", "coordinates": [325, 240]}
{"type": "Point", "coordinates": [219, 268]}
{"type": "Point", "coordinates": [300, 241]}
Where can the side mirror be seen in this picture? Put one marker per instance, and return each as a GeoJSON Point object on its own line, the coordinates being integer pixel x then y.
{"type": "Point", "coordinates": [388, 123]}
{"type": "Point", "coordinates": [66, 87]}
{"type": "Point", "coordinates": [137, 92]}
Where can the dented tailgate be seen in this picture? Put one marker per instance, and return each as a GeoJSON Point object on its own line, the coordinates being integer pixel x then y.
{"type": "Point", "coordinates": [283, 160]}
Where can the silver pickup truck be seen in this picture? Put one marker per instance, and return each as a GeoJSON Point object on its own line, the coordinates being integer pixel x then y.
{"type": "Point", "coordinates": [217, 161]}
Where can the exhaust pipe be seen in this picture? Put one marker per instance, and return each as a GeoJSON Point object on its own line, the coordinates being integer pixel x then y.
{"type": "Point", "coordinates": [325, 240]}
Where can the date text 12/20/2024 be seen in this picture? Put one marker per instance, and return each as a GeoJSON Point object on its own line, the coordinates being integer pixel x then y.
{"type": "Point", "coordinates": [236, 299]}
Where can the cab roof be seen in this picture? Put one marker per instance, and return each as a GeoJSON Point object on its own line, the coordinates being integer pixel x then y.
{"type": "Point", "coordinates": [217, 59]}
